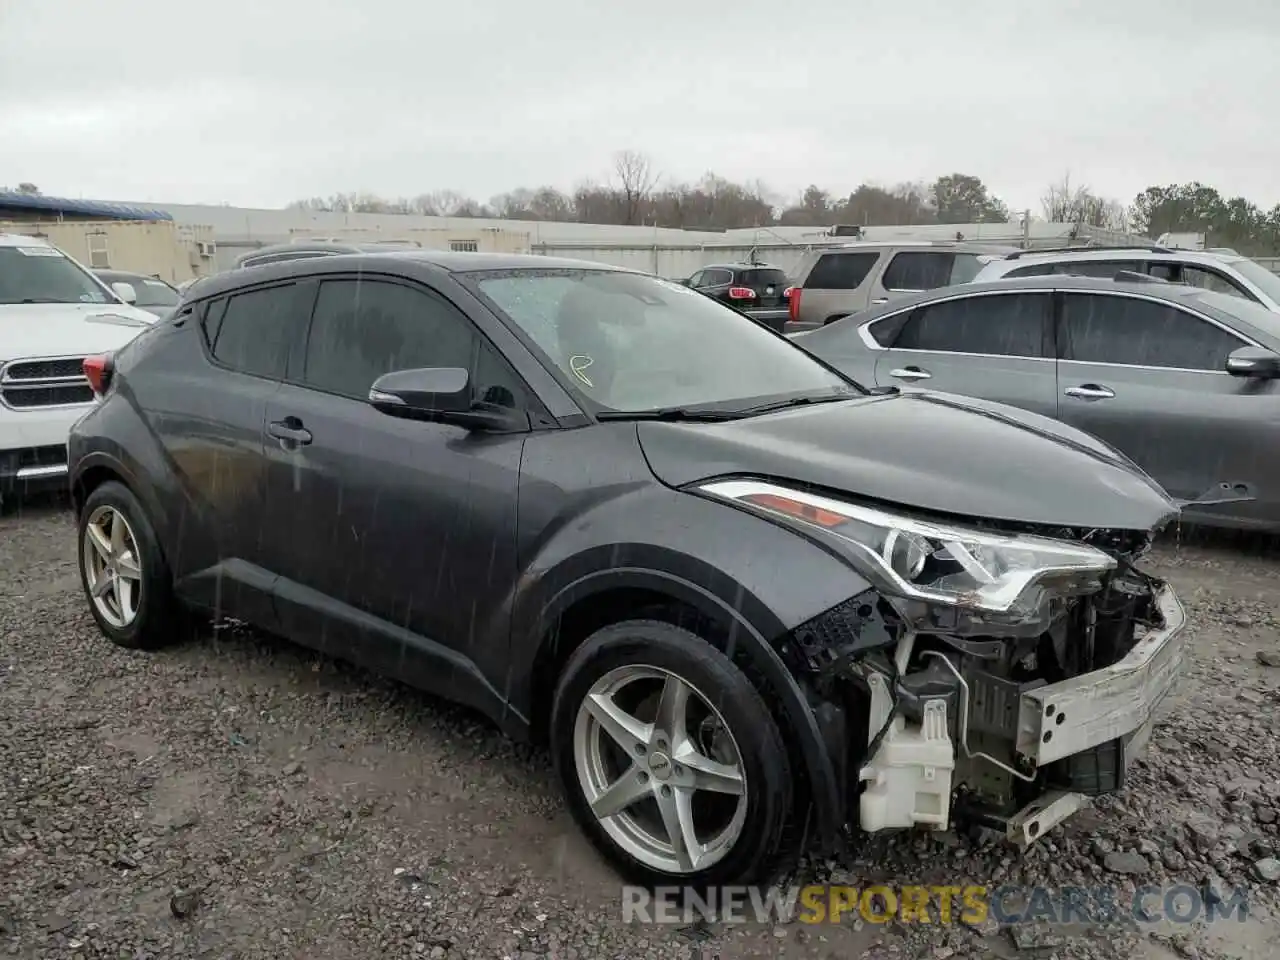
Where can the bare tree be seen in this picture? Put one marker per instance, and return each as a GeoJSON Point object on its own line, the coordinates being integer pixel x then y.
{"type": "Point", "coordinates": [1066, 202]}
{"type": "Point", "coordinates": [636, 181]}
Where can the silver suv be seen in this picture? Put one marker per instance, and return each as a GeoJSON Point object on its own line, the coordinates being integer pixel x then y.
{"type": "Point", "coordinates": [1220, 272]}
{"type": "Point", "coordinates": [833, 282]}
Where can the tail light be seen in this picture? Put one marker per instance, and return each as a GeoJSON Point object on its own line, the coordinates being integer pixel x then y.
{"type": "Point", "coordinates": [793, 303]}
{"type": "Point", "coordinates": [97, 370]}
{"type": "Point", "coordinates": [741, 293]}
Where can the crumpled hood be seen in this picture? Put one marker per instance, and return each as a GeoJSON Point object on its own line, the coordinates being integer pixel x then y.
{"type": "Point", "coordinates": [66, 329]}
{"type": "Point", "coordinates": [932, 451]}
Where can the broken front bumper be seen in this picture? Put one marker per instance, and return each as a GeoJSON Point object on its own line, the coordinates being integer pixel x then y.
{"type": "Point", "coordinates": [1118, 702]}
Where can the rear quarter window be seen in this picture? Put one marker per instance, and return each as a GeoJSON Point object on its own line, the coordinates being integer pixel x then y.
{"type": "Point", "coordinates": [840, 271]}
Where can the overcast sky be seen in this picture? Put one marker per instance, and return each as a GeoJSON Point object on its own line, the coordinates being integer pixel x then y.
{"type": "Point", "coordinates": [258, 103]}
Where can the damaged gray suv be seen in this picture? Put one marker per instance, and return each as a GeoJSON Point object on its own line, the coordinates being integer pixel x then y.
{"type": "Point", "coordinates": [742, 599]}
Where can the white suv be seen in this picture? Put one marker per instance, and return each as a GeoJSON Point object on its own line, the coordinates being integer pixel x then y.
{"type": "Point", "coordinates": [53, 313]}
{"type": "Point", "coordinates": [1220, 272]}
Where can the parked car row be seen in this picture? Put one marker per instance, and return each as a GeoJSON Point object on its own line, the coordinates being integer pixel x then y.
{"type": "Point", "coordinates": [1181, 379]}
{"type": "Point", "coordinates": [831, 283]}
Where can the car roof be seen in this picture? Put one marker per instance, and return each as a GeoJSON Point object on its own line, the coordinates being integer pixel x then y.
{"type": "Point", "coordinates": [741, 265]}
{"type": "Point", "coordinates": [960, 246]}
{"type": "Point", "coordinates": [1171, 292]}
{"type": "Point", "coordinates": [22, 240]}
{"type": "Point", "coordinates": [409, 262]}
{"type": "Point", "coordinates": [1124, 253]}
{"type": "Point", "coordinates": [329, 246]}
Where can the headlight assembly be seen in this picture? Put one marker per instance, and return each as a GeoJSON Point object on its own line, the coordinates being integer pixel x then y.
{"type": "Point", "coordinates": [938, 563]}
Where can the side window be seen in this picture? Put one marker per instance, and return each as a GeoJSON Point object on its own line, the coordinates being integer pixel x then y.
{"type": "Point", "coordinates": [1211, 280]}
{"type": "Point", "coordinates": [715, 278]}
{"type": "Point", "coordinates": [1005, 325]}
{"type": "Point", "coordinates": [840, 271]}
{"type": "Point", "coordinates": [1098, 328]}
{"type": "Point", "coordinates": [885, 331]}
{"type": "Point", "coordinates": [255, 329]}
{"type": "Point", "coordinates": [917, 270]}
{"type": "Point", "coordinates": [211, 320]}
{"type": "Point", "coordinates": [696, 279]}
{"type": "Point", "coordinates": [362, 329]}
{"type": "Point", "coordinates": [1102, 269]}
{"type": "Point", "coordinates": [1031, 270]}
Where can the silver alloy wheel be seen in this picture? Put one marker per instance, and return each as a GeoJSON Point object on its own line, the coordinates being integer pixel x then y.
{"type": "Point", "coordinates": [659, 767]}
{"type": "Point", "coordinates": [112, 567]}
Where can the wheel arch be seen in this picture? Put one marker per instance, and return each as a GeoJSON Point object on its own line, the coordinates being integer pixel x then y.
{"type": "Point", "coordinates": [611, 596]}
{"type": "Point", "coordinates": [99, 467]}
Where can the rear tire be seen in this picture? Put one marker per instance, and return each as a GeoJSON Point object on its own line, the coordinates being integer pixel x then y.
{"type": "Point", "coordinates": [124, 573]}
{"type": "Point", "coordinates": [655, 733]}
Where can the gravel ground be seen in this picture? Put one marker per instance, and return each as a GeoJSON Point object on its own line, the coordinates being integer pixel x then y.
{"type": "Point", "coordinates": [237, 797]}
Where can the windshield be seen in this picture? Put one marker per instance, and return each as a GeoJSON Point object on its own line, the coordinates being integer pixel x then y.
{"type": "Point", "coordinates": [759, 279]}
{"type": "Point", "coordinates": [44, 275]}
{"type": "Point", "coordinates": [152, 293]}
{"type": "Point", "coordinates": [1260, 277]}
{"type": "Point", "coordinates": [630, 343]}
{"type": "Point", "coordinates": [966, 266]}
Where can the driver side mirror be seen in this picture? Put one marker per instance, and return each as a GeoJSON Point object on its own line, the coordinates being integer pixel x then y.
{"type": "Point", "coordinates": [125, 291]}
{"type": "Point", "coordinates": [441, 395]}
{"type": "Point", "coordinates": [1254, 362]}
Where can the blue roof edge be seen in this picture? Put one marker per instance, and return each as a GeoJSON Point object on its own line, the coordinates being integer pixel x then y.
{"type": "Point", "coordinates": [91, 208]}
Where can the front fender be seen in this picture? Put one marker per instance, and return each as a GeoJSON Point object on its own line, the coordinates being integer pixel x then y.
{"type": "Point", "coordinates": [760, 579]}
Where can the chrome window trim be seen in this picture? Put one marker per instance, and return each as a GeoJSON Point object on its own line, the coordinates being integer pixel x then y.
{"type": "Point", "coordinates": [864, 331]}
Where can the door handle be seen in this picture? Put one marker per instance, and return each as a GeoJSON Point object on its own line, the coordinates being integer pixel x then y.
{"type": "Point", "coordinates": [1090, 391]}
{"type": "Point", "coordinates": [910, 373]}
{"type": "Point", "coordinates": [879, 300]}
{"type": "Point", "coordinates": [289, 431]}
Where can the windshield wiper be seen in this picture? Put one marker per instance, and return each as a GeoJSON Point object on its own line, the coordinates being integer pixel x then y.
{"type": "Point", "coordinates": [669, 413]}
{"type": "Point", "coordinates": [793, 402]}
{"type": "Point", "coordinates": [39, 300]}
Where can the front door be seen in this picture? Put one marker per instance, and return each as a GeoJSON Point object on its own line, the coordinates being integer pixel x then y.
{"type": "Point", "coordinates": [393, 538]}
{"type": "Point", "coordinates": [994, 346]}
{"type": "Point", "coordinates": [1149, 378]}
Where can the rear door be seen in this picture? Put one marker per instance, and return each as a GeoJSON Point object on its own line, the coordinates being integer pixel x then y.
{"type": "Point", "coordinates": [1148, 377]}
{"type": "Point", "coordinates": [915, 271]}
{"type": "Point", "coordinates": [212, 432]}
{"type": "Point", "coordinates": [995, 346]}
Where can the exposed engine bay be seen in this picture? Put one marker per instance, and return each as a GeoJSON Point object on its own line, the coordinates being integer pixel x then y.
{"type": "Point", "coordinates": [941, 714]}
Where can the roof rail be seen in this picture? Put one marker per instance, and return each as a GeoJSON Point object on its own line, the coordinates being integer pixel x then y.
{"type": "Point", "coordinates": [1133, 276]}
{"type": "Point", "coordinates": [1149, 247]}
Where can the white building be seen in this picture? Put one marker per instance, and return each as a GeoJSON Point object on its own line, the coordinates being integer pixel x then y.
{"type": "Point", "coordinates": [666, 251]}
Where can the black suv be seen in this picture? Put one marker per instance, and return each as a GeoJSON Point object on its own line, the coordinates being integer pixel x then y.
{"type": "Point", "coordinates": [756, 289]}
{"type": "Point", "coordinates": [743, 599]}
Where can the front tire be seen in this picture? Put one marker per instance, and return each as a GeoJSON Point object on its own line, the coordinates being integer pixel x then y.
{"type": "Point", "coordinates": [123, 571]}
{"type": "Point", "coordinates": [670, 759]}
